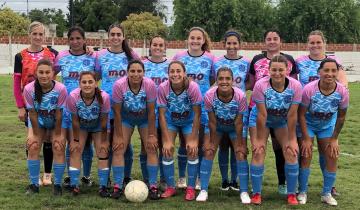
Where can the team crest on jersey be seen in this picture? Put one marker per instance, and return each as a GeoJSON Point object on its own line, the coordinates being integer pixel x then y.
{"type": "Point", "coordinates": [204, 64]}
{"type": "Point", "coordinates": [287, 99]}
{"type": "Point", "coordinates": [334, 102]}
{"type": "Point", "coordinates": [86, 62]}
{"type": "Point", "coordinates": [242, 68]}
{"type": "Point", "coordinates": [95, 110]}
{"type": "Point", "coordinates": [53, 100]}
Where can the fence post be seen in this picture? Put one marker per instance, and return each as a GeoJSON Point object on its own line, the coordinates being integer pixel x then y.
{"type": "Point", "coordinates": [10, 50]}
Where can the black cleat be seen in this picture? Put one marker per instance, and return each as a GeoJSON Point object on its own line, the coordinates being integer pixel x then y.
{"type": "Point", "coordinates": [154, 193]}
{"type": "Point", "coordinates": [103, 192]}
{"type": "Point", "coordinates": [234, 186]}
{"type": "Point", "coordinates": [57, 190]}
{"type": "Point", "coordinates": [32, 189]}
{"type": "Point", "coordinates": [66, 183]}
{"type": "Point", "coordinates": [225, 186]}
{"type": "Point", "coordinates": [117, 192]}
{"type": "Point", "coordinates": [86, 181]}
{"type": "Point", "coordinates": [126, 181]}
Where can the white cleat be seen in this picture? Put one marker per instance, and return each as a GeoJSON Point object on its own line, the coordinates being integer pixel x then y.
{"type": "Point", "coordinates": [328, 199]}
{"type": "Point", "coordinates": [181, 183]}
{"type": "Point", "coordinates": [203, 196]}
{"type": "Point", "coordinates": [245, 198]}
{"type": "Point", "coordinates": [302, 198]}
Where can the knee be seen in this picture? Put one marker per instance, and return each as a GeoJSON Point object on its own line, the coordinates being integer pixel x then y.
{"type": "Point", "coordinates": [290, 157]}
{"type": "Point", "coordinates": [58, 147]}
{"type": "Point", "coordinates": [33, 146]}
{"type": "Point", "coordinates": [103, 152]}
{"type": "Point", "coordinates": [209, 153]}
{"type": "Point", "coordinates": [118, 149]}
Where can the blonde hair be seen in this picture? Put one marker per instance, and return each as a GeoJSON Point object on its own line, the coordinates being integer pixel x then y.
{"type": "Point", "coordinates": [319, 33]}
{"type": "Point", "coordinates": [34, 25]}
{"type": "Point", "coordinates": [207, 44]}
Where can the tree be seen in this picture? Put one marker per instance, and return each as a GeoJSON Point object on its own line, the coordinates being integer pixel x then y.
{"type": "Point", "coordinates": [143, 26]}
{"type": "Point", "coordinates": [137, 6]}
{"type": "Point", "coordinates": [13, 22]}
{"type": "Point", "coordinates": [48, 16]}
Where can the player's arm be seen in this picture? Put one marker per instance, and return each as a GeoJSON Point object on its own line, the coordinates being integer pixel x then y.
{"type": "Point", "coordinates": [118, 135]}
{"type": "Point", "coordinates": [239, 128]}
{"type": "Point", "coordinates": [168, 144]}
{"type": "Point", "coordinates": [103, 123]}
{"type": "Point", "coordinates": [261, 121]}
{"type": "Point", "coordinates": [151, 140]}
{"type": "Point", "coordinates": [306, 142]}
{"type": "Point", "coordinates": [196, 122]}
{"type": "Point", "coordinates": [212, 126]}
{"type": "Point", "coordinates": [75, 127]}
{"type": "Point", "coordinates": [291, 121]}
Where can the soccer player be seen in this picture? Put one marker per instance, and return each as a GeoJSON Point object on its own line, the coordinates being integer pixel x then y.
{"type": "Point", "coordinates": [239, 66]}
{"type": "Point", "coordinates": [259, 68]}
{"type": "Point", "coordinates": [322, 114]}
{"type": "Point", "coordinates": [179, 103]}
{"type": "Point", "coordinates": [111, 64]}
{"type": "Point", "coordinates": [89, 108]}
{"type": "Point", "coordinates": [134, 99]}
{"type": "Point", "coordinates": [71, 63]}
{"type": "Point", "coordinates": [199, 63]}
{"type": "Point", "coordinates": [277, 99]}
{"type": "Point", "coordinates": [24, 73]}
{"type": "Point", "coordinates": [226, 105]}
{"type": "Point", "coordinates": [44, 100]}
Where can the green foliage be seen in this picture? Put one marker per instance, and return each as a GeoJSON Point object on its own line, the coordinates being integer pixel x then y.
{"type": "Point", "coordinates": [48, 16]}
{"type": "Point", "coordinates": [13, 22]}
{"type": "Point", "coordinates": [143, 26]}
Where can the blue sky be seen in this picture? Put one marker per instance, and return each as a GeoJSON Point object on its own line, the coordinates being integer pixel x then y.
{"type": "Point", "coordinates": [21, 5]}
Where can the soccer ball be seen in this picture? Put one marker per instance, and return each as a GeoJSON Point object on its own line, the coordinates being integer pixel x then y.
{"type": "Point", "coordinates": [136, 191]}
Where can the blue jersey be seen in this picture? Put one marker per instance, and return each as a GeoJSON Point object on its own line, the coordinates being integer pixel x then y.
{"type": "Point", "coordinates": [157, 72]}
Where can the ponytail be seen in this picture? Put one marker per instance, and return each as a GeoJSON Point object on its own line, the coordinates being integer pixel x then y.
{"type": "Point", "coordinates": [38, 91]}
{"type": "Point", "coordinates": [99, 96]}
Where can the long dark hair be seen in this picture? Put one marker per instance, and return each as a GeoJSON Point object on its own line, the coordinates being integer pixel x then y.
{"type": "Point", "coordinates": [37, 86]}
{"type": "Point", "coordinates": [97, 89]}
{"type": "Point", "coordinates": [125, 45]}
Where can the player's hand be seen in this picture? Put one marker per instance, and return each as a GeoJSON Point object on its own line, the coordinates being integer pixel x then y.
{"type": "Point", "coordinates": [152, 143]}
{"type": "Point", "coordinates": [306, 147]}
{"type": "Point", "coordinates": [292, 148]}
{"type": "Point", "coordinates": [333, 146]}
{"type": "Point", "coordinates": [74, 145]}
{"type": "Point", "coordinates": [168, 149]}
{"type": "Point", "coordinates": [192, 148]}
{"type": "Point", "coordinates": [22, 115]}
{"type": "Point", "coordinates": [257, 147]}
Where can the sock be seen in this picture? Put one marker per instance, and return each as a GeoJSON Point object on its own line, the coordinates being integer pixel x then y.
{"type": "Point", "coordinates": [193, 166]}
{"type": "Point", "coordinates": [87, 157]}
{"type": "Point", "coordinates": [257, 173]}
{"type": "Point", "coordinates": [182, 160]}
{"type": "Point", "coordinates": [168, 166]}
{"type": "Point", "coordinates": [280, 163]}
{"type": "Point", "coordinates": [233, 166]}
{"type": "Point", "coordinates": [162, 177]}
{"type": "Point", "coordinates": [67, 157]}
{"type": "Point", "coordinates": [303, 179]}
{"type": "Point", "coordinates": [118, 175]}
{"type": "Point", "coordinates": [34, 171]}
{"type": "Point", "coordinates": [329, 180]}
{"type": "Point", "coordinates": [322, 162]}
{"type": "Point", "coordinates": [243, 172]}
{"type": "Point", "coordinates": [144, 172]}
{"type": "Point", "coordinates": [74, 174]}
{"type": "Point", "coordinates": [292, 173]}
{"type": "Point", "coordinates": [205, 173]}
{"type": "Point", "coordinates": [48, 157]}
{"type": "Point", "coordinates": [152, 171]}
{"type": "Point", "coordinates": [223, 159]}
{"type": "Point", "coordinates": [103, 176]}
{"type": "Point", "coordinates": [128, 156]}
{"type": "Point", "coordinates": [59, 169]}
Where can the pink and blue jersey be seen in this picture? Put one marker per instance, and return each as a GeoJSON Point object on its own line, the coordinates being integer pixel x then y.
{"type": "Point", "coordinates": [239, 67]}
{"type": "Point", "coordinates": [308, 68]}
{"type": "Point", "coordinates": [179, 107]}
{"type": "Point", "coordinates": [322, 109]}
{"type": "Point", "coordinates": [225, 112]}
{"type": "Point", "coordinates": [156, 71]}
{"type": "Point", "coordinates": [277, 103]}
{"type": "Point", "coordinates": [50, 102]}
{"type": "Point", "coordinates": [134, 105]}
{"type": "Point", "coordinates": [89, 115]}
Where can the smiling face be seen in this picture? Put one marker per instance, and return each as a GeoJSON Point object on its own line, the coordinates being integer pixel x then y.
{"type": "Point", "coordinates": [116, 37]}
{"type": "Point", "coordinates": [44, 74]}
{"type": "Point", "coordinates": [37, 36]}
{"type": "Point", "coordinates": [272, 42]}
{"type": "Point", "coordinates": [176, 74]}
{"type": "Point", "coordinates": [76, 42]}
{"type": "Point", "coordinates": [196, 40]}
{"type": "Point", "coordinates": [232, 45]}
{"type": "Point", "coordinates": [135, 73]}
{"type": "Point", "coordinates": [88, 84]}
{"type": "Point", "coordinates": [157, 47]}
{"type": "Point", "coordinates": [329, 72]}
{"type": "Point", "coordinates": [224, 81]}
{"type": "Point", "coordinates": [316, 45]}
{"type": "Point", "coordinates": [277, 72]}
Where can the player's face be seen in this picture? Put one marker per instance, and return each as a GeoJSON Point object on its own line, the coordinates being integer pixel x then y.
{"type": "Point", "coordinates": [196, 40]}
{"type": "Point", "coordinates": [157, 47]}
{"type": "Point", "coordinates": [37, 36]}
{"type": "Point", "coordinates": [44, 74]}
{"type": "Point", "coordinates": [328, 73]}
{"type": "Point", "coordinates": [232, 46]}
{"type": "Point", "coordinates": [272, 42]}
{"type": "Point", "coordinates": [176, 73]}
{"type": "Point", "coordinates": [316, 45]}
{"type": "Point", "coordinates": [76, 42]}
{"type": "Point", "coordinates": [88, 84]}
{"type": "Point", "coordinates": [224, 81]}
{"type": "Point", "coordinates": [116, 37]}
{"type": "Point", "coordinates": [135, 73]}
{"type": "Point", "coordinates": [277, 72]}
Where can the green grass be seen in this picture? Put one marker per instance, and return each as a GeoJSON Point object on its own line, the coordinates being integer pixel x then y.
{"type": "Point", "coordinates": [14, 178]}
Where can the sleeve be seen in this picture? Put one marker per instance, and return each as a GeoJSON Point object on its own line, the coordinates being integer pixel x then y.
{"type": "Point", "coordinates": [57, 66]}
{"type": "Point", "coordinates": [105, 108]}
{"type": "Point", "coordinates": [18, 64]}
{"type": "Point", "coordinates": [294, 69]}
{"type": "Point", "coordinates": [71, 104]}
{"type": "Point", "coordinates": [258, 93]}
{"type": "Point", "coordinates": [97, 64]}
{"type": "Point", "coordinates": [135, 55]}
{"type": "Point", "coordinates": [29, 101]}
{"type": "Point", "coordinates": [150, 90]}
{"type": "Point", "coordinates": [208, 102]}
{"type": "Point", "coordinates": [306, 95]}
{"type": "Point", "coordinates": [17, 91]}
{"type": "Point", "coordinates": [297, 92]}
{"type": "Point", "coordinates": [251, 68]}
{"type": "Point", "coordinates": [161, 100]}
{"type": "Point", "coordinates": [242, 103]}
{"type": "Point", "coordinates": [344, 103]}
{"type": "Point", "coordinates": [117, 94]}
{"type": "Point", "coordinates": [62, 97]}
{"type": "Point", "coordinates": [55, 52]}
{"type": "Point", "coordinates": [194, 93]}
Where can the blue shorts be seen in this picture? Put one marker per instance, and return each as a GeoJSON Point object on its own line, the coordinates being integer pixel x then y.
{"type": "Point", "coordinates": [321, 133]}
{"type": "Point", "coordinates": [269, 123]}
{"type": "Point", "coordinates": [134, 123]}
{"type": "Point", "coordinates": [91, 130]}
{"type": "Point", "coordinates": [185, 129]}
{"type": "Point", "coordinates": [66, 119]}
{"type": "Point", "coordinates": [29, 125]}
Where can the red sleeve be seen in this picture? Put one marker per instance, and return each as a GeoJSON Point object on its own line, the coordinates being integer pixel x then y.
{"type": "Point", "coordinates": [17, 91]}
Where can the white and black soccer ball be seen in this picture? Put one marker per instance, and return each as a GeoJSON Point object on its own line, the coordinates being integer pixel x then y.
{"type": "Point", "coordinates": [136, 191]}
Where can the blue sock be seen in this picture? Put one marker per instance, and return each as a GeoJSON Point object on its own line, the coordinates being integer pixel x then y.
{"type": "Point", "coordinates": [103, 176]}
{"type": "Point", "coordinates": [128, 161]}
{"type": "Point", "coordinates": [162, 177]}
{"type": "Point", "coordinates": [118, 175]}
{"type": "Point", "coordinates": [243, 172]}
{"type": "Point", "coordinates": [303, 179]}
{"type": "Point", "coordinates": [144, 172]}
{"type": "Point", "coordinates": [322, 162]}
{"type": "Point", "coordinates": [329, 180]}
{"type": "Point", "coordinates": [182, 160]}
{"type": "Point", "coordinates": [59, 169]}
{"type": "Point", "coordinates": [257, 173]}
{"type": "Point", "coordinates": [291, 173]}
{"type": "Point", "coordinates": [233, 166]}
{"type": "Point", "coordinates": [152, 171]}
{"type": "Point", "coordinates": [34, 171]}
{"type": "Point", "coordinates": [193, 166]}
{"type": "Point", "coordinates": [67, 157]}
{"type": "Point", "coordinates": [223, 159]}
{"type": "Point", "coordinates": [74, 174]}
{"type": "Point", "coordinates": [87, 157]}
{"type": "Point", "coordinates": [168, 166]}
{"type": "Point", "coordinates": [205, 173]}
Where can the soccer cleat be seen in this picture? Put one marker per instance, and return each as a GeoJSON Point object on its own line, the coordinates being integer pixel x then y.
{"type": "Point", "coordinates": [117, 192]}
{"type": "Point", "coordinates": [302, 198]}
{"type": "Point", "coordinates": [47, 179]}
{"type": "Point", "coordinates": [190, 194]}
{"type": "Point", "coordinates": [334, 192]}
{"type": "Point", "coordinates": [66, 183]}
{"type": "Point", "coordinates": [181, 183]}
{"type": "Point", "coordinates": [203, 196]}
{"type": "Point", "coordinates": [234, 186]}
{"type": "Point", "coordinates": [75, 190]}
{"type": "Point", "coordinates": [169, 192]}
{"type": "Point", "coordinates": [103, 192]}
{"type": "Point", "coordinates": [245, 198]}
{"type": "Point", "coordinates": [328, 199]}
{"type": "Point", "coordinates": [32, 189]}
{"type": "Point", "coordinates": [256, 199]}
{"type": "Point", "coordinates": [86, 181]}
{"type": "Point", "coordinates": [291, 199]}
{"type": "Point", "coordinates": [162, 185]}
{"type": "Point", "coordinates": [57, 191]}
{"type": "Point", "coordinates": [197, 184]}
{"type": "Point", "coordinates": [225, 186]}
{"type": "Point", "coordinates": [126, 181]}
{"type": "Point", "coordinates": [154, 193]}
{"type": "Point", "coordinates": [282, 189]}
